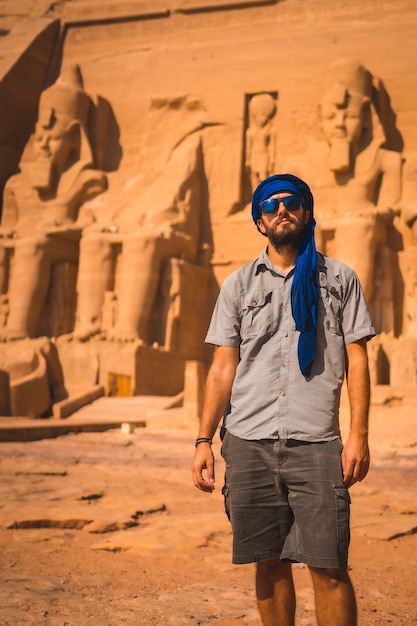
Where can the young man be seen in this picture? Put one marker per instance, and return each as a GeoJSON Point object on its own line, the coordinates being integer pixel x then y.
{"type": "Point", "coordinates": [287, 327]}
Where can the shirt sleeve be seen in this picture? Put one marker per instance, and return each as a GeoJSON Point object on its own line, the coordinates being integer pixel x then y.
{"type": "Point", "coordinates": [224, 328]}
{"type": "Point", "coordinates": [356, 321]}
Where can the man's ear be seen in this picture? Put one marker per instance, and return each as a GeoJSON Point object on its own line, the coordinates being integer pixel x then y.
{"type": "Point", "coordinates": [307, 217]}
{"type": "Point", "coordinates": [261, 226]}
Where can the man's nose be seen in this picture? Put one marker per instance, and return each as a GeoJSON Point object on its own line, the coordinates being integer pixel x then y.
{"type": "Point", "coordinates": [281, 207]}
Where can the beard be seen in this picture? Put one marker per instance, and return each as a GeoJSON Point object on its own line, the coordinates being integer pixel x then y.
{"type": "Point", "coordinates": [290, 235]}
{"type": "Point", "coordinates": [339, 157]}
{"type": "Point", "coordinates": [42, 173]}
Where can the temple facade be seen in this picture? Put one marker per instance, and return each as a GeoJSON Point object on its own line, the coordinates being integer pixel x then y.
{"type": "Point", "coordinates": [133, 134]}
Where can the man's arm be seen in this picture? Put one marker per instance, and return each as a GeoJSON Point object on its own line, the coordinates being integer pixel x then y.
{"type": "Point", "coordinates": [218, 387]}
{"type": "Point", "coordinates": [355, 455]}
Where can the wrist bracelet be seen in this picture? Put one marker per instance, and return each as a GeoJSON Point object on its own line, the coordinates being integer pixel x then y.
{"type": "Point", "coordinates": [202, 440]}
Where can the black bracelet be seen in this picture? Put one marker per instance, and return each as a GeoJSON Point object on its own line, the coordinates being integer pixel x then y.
{"type": "Point", "coordinates": [203, 440]}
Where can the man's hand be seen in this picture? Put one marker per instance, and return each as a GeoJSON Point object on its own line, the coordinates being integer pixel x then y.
{"type": "Point", "coordinates": [218, 387]}
{"type": "Point", "coordinates": [355, 459]}
{"type": "Point", "coordinates": [203, 468]}
{"type": "Point", "coordinates": [355, 455]}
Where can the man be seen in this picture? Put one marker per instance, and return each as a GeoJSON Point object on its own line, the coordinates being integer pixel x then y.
{"type": "Point", "coordinates": [287, 327]}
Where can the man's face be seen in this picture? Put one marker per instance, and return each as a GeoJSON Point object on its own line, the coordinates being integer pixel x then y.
{"type": "Point", "coordinates": [285, 227]}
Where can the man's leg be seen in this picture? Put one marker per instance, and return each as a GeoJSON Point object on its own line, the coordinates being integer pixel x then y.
{"type": "Point", "coordinates": [335, 598]}
{"type": "Point", "coordinates": [275, 593]}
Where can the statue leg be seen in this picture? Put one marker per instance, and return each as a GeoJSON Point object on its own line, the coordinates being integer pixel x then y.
{"type": "Point", "coordinates": [4, 268]}
{"type": "Point", "coordinates": [30, 280]}
{"type": "Point", "coordinates": [95, 277]}
{"type": "Point", "coordinates": [143, 257]}
{"type": "Point", "coordinates": [356, 241]}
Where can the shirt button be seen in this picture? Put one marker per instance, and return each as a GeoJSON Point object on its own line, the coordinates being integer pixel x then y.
{"type": "Point", "coordinates": [284, 365]}
{"type": "Point", "coordinates": [254, 302]}
{"type": "Point", "coordinates": [282, 393]}
{"type": "Point", "coordinates": [286, 310]}
{"type": "Point", "coordinates": [285, 334]}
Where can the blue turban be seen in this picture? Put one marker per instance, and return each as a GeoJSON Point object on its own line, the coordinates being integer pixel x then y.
{"type": "Point", "coordinates": [304, 291]}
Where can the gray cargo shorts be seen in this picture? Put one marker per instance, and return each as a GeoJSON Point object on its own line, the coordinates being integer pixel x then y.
{"type": "Point", "coordinates": [286, 500]}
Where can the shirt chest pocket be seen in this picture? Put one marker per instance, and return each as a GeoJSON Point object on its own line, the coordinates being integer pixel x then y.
{"type": "Point", "coordinates": [257, 314]}
{"type": "Point", "coordinates": [329, 311]}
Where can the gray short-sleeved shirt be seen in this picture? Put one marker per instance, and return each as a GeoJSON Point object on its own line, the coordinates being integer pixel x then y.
{"type": "Point", "coordinates": [270, 397]}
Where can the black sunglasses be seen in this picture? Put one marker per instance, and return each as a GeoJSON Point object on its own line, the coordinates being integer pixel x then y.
{"type": "Point", "coordinates": [271, 205]}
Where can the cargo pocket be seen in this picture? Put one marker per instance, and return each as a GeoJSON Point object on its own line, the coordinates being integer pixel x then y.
{"type": "Point", "coordinates": [225, 492]}
{"type": "Point", "coordinates": [342, 514]}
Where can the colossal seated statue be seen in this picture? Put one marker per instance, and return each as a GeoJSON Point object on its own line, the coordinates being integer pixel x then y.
{"type": "Point", "coordinates": [355, 162]}
{"type": "Point", "coordinates": [159, 215]}
{"type": "Point", "coordinates": [40, 230]}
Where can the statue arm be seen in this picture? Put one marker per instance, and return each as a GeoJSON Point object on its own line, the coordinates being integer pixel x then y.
{"type": "Point", "coordinates": [64, 212]}
{"type": "Point", "coordinates": [390, 191]}
{"type": "Point", "coordinates": [272, 149]}
{"type": "Point", "coordinates": [10, 213]}
{"type": "Point", "coordinates": [248, 147]}
{"type": "Point", "coordinates": [89, 184]}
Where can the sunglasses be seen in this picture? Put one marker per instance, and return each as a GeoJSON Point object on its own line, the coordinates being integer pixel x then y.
{"type": "Point", "coordinates": [271, 205]}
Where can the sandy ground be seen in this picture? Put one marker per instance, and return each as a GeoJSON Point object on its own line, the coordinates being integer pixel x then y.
{"type": "Point", "coordinates": [107, 529]}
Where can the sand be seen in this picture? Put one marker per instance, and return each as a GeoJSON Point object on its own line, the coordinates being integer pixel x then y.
{"type": "Point", "coordinates": [107, 529]}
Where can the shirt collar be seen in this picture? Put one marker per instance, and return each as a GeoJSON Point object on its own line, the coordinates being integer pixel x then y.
{"type": "Point", "coordinates": [264, 263]}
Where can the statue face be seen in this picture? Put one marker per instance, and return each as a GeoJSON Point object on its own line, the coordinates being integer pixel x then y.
{"type": "Point", "coordinates": [343, 119]}
{"type": "Point", "coordinates": [54, 140]}
{"type": "Point", "coordinates": [260, 119]}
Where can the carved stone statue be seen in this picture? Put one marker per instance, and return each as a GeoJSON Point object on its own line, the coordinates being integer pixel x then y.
{"type": "Point", "coordinates": [357, 175]}
{"type": "Point", "coordinates": [158, 216]}
{"type": "Point", "coordinates": [260, 138]}
{"type": "Point", "coordinates": [409, 254]}
{"type": "Point", "coordinates": [39, 227]}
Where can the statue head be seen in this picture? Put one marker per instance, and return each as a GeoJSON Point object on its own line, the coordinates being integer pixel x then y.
{"type": "Point", "coordinates": [61, 137]}
{"type": "Point", "coordinates": [262, 108]}
{"type": "Point", "coordinates": [345, 111]}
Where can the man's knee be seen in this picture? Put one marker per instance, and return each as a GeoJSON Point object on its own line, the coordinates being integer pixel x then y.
{"type": "Point", "coordinates": [329, 577]}
{"type": "Point", "coordinates": [273, 568]}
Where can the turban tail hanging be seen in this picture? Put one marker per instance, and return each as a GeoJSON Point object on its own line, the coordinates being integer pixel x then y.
{"type": "Point", "coordinates": [304, 291]}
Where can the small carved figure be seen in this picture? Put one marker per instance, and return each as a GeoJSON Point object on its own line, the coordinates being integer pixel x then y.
{"type": "Point", "coordinates": [260, 138]}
